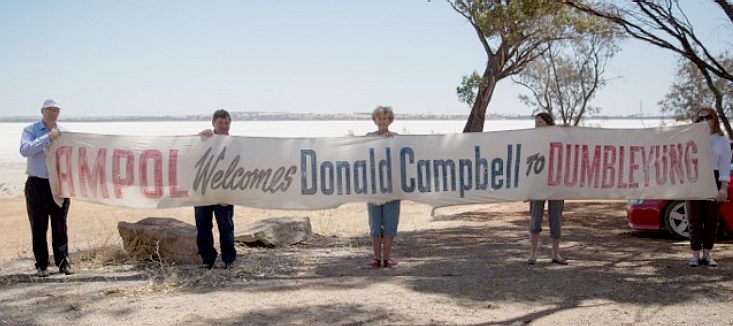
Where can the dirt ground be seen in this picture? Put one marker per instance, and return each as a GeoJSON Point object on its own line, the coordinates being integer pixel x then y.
{"type": "Point", "coordinates": [464, 266]}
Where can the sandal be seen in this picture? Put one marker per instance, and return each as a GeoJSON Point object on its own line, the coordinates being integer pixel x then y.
{"type": "Point", "coordinates": [374, 263]}
{"type": "Point", "coordinates": [389, 263]}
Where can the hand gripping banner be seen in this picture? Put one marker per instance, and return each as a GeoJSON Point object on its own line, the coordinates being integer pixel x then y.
{"type": "Point", "coordinates": [438, 170]}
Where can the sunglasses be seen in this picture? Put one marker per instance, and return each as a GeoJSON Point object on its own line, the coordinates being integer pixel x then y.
{"type": "Point", "coordinates": [704, 117]}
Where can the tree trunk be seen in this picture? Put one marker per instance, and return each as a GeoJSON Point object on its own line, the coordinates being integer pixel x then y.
{"type": "Point", "coordinates": [727, 7]}
{"type": "Point", "coordinates": [475, 122]}
{"type": "Point", "coordinates": [718, 102]}
{"type": "Point", "coordinates": [477, 118]}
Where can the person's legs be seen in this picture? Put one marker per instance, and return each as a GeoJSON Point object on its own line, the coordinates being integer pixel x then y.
{"type": "Point", "coordinates": [38, 218]}
{"type": "Point", "coordinates": [710, 225]}
{"type": "Point", "coordinates": [390, 220]}
{"type": "Point", "coordinates": [204, 236]}
{"type": "Point", "coordinates": [534, 239]}
{"type": "Point", "coordinates": [387, 247]}
{"type": "Point", "coordinates": [59, 233]}
{"type": "Point", "coordinates": [554, 211]}
{"type": "Point", "coordinates": [377, 247]}
{"type": "Point", "coordinates": [225, 223]}
{"type": "Point", "coordinates": [695, 209]}
{"type": "Point", "coordinates": [536, 210]}
{"type": "Point", "coordinates": [375, 232]}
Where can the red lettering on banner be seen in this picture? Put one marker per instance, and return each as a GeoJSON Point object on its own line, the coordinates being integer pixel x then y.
{"type": "Point", "coordinates": [620, 183]}
{"type": "Point", "coordinates": [173, 175]}
{"type": "Point", "coordinates": [555, 154]}
{"type": "Point", "coordinates": [661, 177]}
{"type": "Point", "coordinates": [571, 171]}
{"type": "Point", "coordinates": [607, 168]}
{"type": "Point", "coordinates": [93, 179]}
{"type": "Point", "coordinates": [157, 158]}
{"type": "Point", "coordinates": [118, 181]}
{"type": "Point", "coordinates": [646, 161]}
{"type": "Point", "coordinates": [590, 171]}
{"type": "Point", "coordinates": [675, 165]}
{"type": "Point", "coordinates": [633, 166]}
{"type": "Point", "coordinates": [65, 175]}
{"type": "Point", "coordinates": [691, 162]}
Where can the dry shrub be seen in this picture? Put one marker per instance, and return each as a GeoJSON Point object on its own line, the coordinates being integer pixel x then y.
{"type": "Point", "coordinates": [105, 252]}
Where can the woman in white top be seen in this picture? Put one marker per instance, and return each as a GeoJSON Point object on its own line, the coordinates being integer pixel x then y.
{"type": "Point", "coordinates": [703, 214]}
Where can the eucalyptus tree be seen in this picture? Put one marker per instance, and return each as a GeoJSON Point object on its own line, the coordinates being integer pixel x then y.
{"type": "Point", "coordinates": [690, 91]}
{"type": "Point", "coordinates": [513, 33]}
{"type": "Point", "coordinates": [664, 23]}
{"type": "Point", "coordinates": [566, 77]}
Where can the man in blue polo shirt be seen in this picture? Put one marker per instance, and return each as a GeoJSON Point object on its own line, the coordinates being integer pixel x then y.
{"type": "Point", "coordinates": [38, 198]}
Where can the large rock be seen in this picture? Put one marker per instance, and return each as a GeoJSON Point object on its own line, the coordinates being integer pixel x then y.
{"type": "Point", "coordinates": [275, 232]}
{"type": "Point", "coordinates": [160, 238]}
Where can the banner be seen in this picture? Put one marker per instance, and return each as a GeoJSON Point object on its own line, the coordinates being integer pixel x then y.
{"type": "Point", "coordinates": [438, 170]}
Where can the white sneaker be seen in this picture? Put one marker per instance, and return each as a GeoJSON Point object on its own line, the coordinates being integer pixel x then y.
{"type": "Point", "coordinates": [710, 262]}
{"type": "Point", "coordinates": [40, 272]}
{"type": "Point", "coordinates": [694, 261]}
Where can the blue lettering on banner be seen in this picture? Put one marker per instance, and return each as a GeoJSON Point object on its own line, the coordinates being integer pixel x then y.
{"type": "Point", "coordinates": [329, 177]}
{"type": "Point", "coordinates": [305, 155]}
{"type": "Point", "coordinates": [405, 152]}
{"type": "Point", "coordinates": [372, 176]}
{"type": "Point", "coordinates": [482, 167]}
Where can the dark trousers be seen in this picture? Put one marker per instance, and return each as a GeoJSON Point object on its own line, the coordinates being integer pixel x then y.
{"type": "Point", "coordinates": [205, 238]}
{"type": "Point", "coordinates": [703, 217]}
{"type": "Point", "coordinates": [40, 206]}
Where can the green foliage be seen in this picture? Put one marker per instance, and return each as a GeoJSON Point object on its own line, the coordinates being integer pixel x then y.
{"type": "Point", "coordinates": [467, 90]}
{"type": "Point", "coordinates": [513, 33]}
{"type": "Point", "coordinates": [515, 21]}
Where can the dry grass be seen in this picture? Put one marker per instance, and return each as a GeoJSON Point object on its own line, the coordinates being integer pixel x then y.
{"type": "Point", "coordinates": [107, 252]}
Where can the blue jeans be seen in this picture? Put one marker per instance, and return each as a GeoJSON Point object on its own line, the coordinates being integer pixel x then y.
{"type": "Point", "coordinates": [383, 219]}
{"type": "Point", "coordinates": [205, 238]}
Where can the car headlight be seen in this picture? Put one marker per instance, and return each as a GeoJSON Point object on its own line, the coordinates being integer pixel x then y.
{"type": "Point", "coordinates": [635, 202]}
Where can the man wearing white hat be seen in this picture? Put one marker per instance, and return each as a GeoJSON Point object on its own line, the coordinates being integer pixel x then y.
{"type": "Point", "coordinates": [39, 200]}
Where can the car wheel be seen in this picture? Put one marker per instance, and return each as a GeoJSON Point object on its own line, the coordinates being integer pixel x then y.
{"type": "Point", "coordinates": [675, 220]}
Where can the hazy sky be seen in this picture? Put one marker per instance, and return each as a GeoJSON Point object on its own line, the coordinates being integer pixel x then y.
{"type": "Point", "coordinates": [191, 57]}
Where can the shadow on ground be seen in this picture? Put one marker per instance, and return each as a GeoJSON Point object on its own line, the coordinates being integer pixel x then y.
{"type": "Point", "coordinates": [481, 264]}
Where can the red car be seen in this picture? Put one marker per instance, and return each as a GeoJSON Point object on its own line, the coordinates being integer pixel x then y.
{"type": "Point", "coordinates": [670, 215]}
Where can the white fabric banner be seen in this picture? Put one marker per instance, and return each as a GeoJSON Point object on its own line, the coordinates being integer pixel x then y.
{"type": "Point", "coordinates": [438, 170]}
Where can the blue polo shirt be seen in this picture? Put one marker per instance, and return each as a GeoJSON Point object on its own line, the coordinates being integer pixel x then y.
{"type": "Point", "coordinates": [33, 145]}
